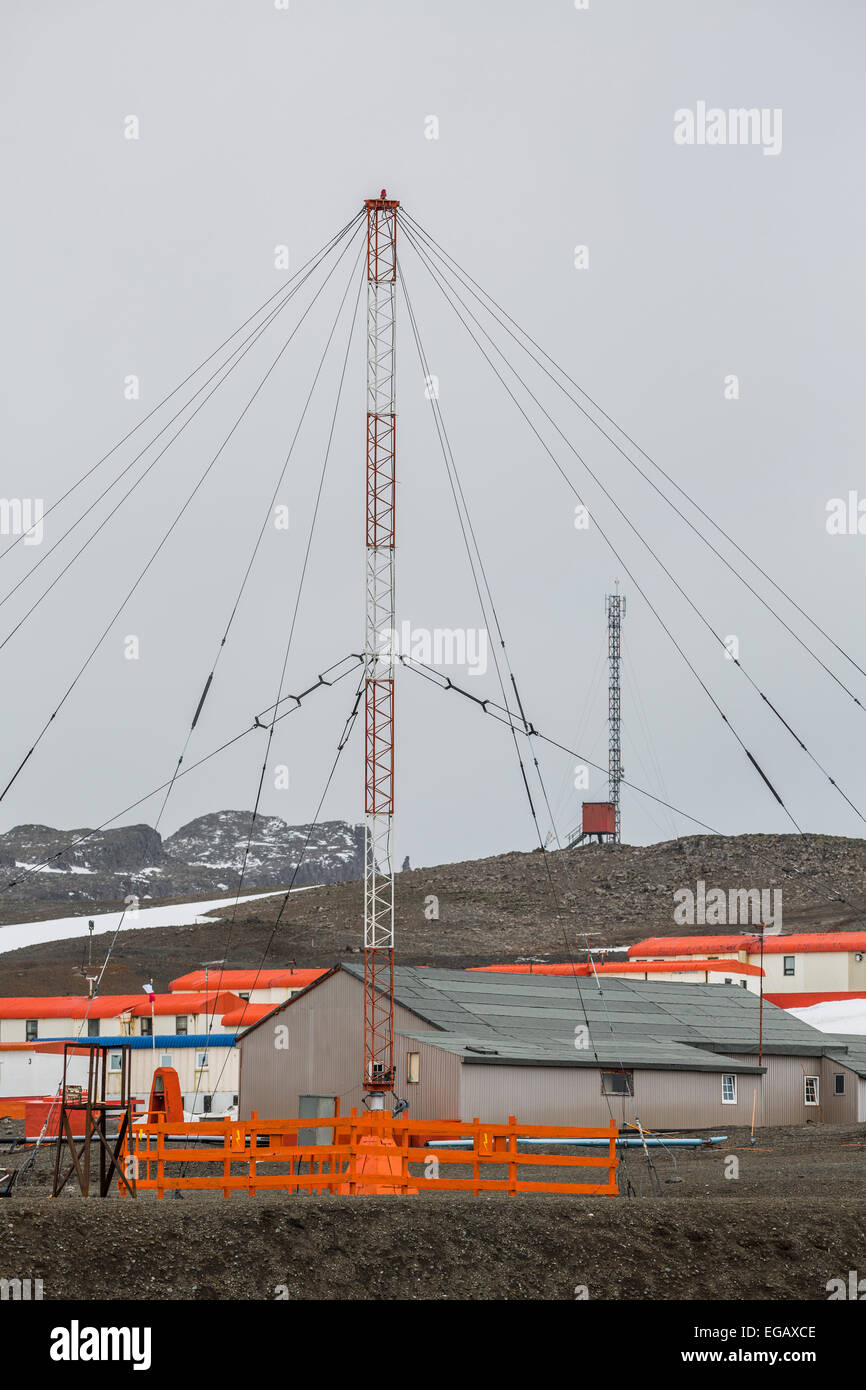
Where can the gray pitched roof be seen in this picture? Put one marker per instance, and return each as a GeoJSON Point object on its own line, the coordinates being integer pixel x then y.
{"type": "Point", "coordinates": [849, 1049]}
{"type": "Point", "coordinates": [543, 1010]}
{"type": "Point", "coordinates": [532, 1018]}
{"type": "Point", "coordinates": [657, 1054]}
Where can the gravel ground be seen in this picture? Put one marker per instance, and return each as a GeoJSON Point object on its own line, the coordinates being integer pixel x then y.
{"type": "Point", "coordinates": [451, 1246]}
{"type": "Point", "coordinates": [793, 1219]}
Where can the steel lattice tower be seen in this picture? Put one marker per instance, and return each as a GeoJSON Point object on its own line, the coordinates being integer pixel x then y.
{"type": "Point", "coordinates": [615, 605]}
{"type": "Point", "coordinates": [378, 652]}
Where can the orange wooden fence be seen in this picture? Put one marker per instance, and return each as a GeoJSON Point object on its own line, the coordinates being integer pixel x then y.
{"type": "Point", "coordinates": [368, 1152]}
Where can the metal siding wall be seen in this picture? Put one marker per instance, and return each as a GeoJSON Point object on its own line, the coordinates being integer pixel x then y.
{"type": "Point", "coordinates": [436, 1095]}
{"type": "Point", "coordinates": [324, 1056]}
{"type": "Point", "coordinates": [692, 1099]}
{"type": "Point", "coordinates": [838, 1110]}
{"type": "Point", "coordinates": [572, 1096]}
{"type": "Point", "coordinates": [784, 1090]}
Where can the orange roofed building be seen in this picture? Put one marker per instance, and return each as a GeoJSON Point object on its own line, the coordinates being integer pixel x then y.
{"type": "Point", "coordinates": [32, 1019]}
{"type": "Point", "coordinates": [801, 969]}
{"type": "Point", "coordinates": [263, 986]}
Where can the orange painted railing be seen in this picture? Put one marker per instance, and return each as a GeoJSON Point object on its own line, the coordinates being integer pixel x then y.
{"type": "Point", "coordinates": [349, 1163]}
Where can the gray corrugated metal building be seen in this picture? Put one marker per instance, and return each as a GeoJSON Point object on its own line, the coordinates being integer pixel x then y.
{"type": "Point", "coordinates": [552, 1049]}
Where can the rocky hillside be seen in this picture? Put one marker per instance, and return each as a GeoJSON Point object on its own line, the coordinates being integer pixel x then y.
{"type": "Point", "coordinates": [203, 857]}
{"type": "Point", "coordinates": [219, 841]}
{"type": "Point", "coordinates": [517, 906]}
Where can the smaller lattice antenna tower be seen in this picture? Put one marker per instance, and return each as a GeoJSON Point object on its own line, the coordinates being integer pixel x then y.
{"type": "Point", "coordinates": [615, 607]}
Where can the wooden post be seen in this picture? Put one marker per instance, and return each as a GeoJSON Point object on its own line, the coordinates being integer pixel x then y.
{"type": "Point", "coordinates": [227, 1147]}
{"type": "Point", "coordinates": [611, 1156]}
{"type": "Point", "coordinates": [160, 1157]}
{"type": "Point", "coordinates": [88, 1125]}
{"type": "Point", "coordinates": [353, 1150]}
{"type": "Point", "coordinates": [253, 1145]}
{"type": "Point", "coordinates": [404, 1148]}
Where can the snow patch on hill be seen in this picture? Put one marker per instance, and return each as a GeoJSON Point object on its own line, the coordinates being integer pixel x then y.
{"type": "Point", "coordinates": [178, 915]}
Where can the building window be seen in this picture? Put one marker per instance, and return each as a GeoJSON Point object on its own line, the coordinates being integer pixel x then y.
{"type": "Point", "coordinates": [838, 1083]}
{"type": "Point", "coordinates": [234, 1100]}
{"type": "Point", "coordinates": [617, 1083]}
{"type": "Point", "coordinates": [31, 1029]}
{"type": "Point", "coordinates": [728, 980]}
{"type": "Point", "coordinates": [115, 1061]}
{"type": "Point", "coordinates": [91, 1027]}
{"type": "Point", "coordinates": [180, 1024]}
{"type": "Point", "coordinates": [729, 1089]}
{"type": "Point", "coordinates": [147, 1027]}
{"type": "Point", "coordinates": [165, 1061]}
{"type": "Point", "coordinates": [201, 1061]}
{"type": "Point", "coordinates": [811, 1089]}
{"type": "Point", "coordinates": [206, 1104]}
{"type": "Point", "coordinates": [413, 1066]}
{"type": "Point", "coordinates": [244, 994]}
{"type": "Point", "coordinates": [788, 965]}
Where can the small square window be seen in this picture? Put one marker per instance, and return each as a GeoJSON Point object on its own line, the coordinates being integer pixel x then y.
{"type": "Point", "coordinates": [617, 1083]}
{"type": "Point", "coordinates": [788, 965]}
{"type": "Point", "coordinates": [201, 1061]}
{"type": "Point", "coordinates": [413, 1066]}
{"type": "Point", "coordinates": [729, 1089]}
{"type": "Point", "coordinates": [181, 1025]}
{"type": "Point", "coordinates": [165, 1061]}
{"type": "Point", "coordinates": [838, 1083]}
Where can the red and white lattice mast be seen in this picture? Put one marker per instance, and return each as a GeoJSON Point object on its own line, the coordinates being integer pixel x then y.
{"type": "Point", "coordinates": [379, 653]}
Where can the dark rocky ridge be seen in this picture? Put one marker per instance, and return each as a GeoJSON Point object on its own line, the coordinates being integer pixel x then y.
{"type": "Point", "coordinates": [202, 857]}
{"type": "Point", "coordinates": [500, 909]}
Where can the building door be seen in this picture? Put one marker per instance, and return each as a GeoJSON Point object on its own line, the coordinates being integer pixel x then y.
{"type": "Point", "coordinates": [310, 1106]}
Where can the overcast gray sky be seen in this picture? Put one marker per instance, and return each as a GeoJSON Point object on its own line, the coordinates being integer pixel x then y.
{"type": "Point", "coordinates": [260, 127]}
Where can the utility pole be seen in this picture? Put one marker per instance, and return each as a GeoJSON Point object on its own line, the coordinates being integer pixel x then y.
{"type": "Point", "coordinates": [89, 976]}
{"type": "Point", "coordinates": [615, 604]}
{"type": "Point", "coordinates": [378, 1076]}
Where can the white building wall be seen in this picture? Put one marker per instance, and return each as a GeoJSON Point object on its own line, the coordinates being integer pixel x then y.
{"type": "Point", "coordinates": [219, 1079]}
{"type": "Point", "coordinates": [15, 1029]}
{"type": "Point", "coordinates": [690, 977]}
{"type": "Point", "coordinates": [38, 1073]}
{"type": "Point", "coordinates": [26, 1073]}
{"type": "Point", "coordinates": [814, 972]}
